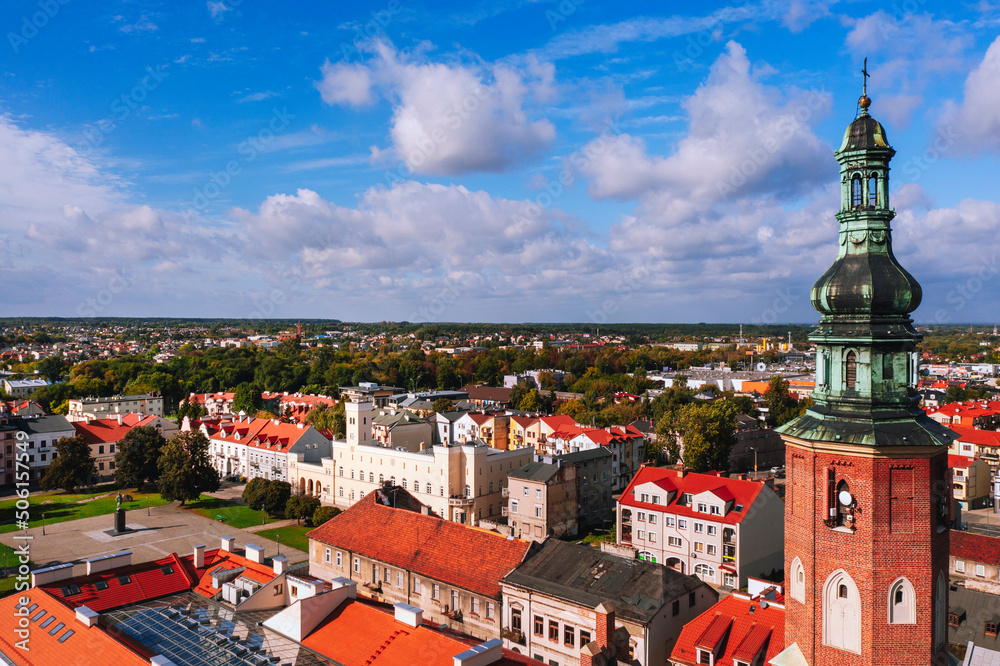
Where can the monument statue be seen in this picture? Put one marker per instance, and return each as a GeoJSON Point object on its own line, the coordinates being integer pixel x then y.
{"type": "Point", "coordinates": [119, 500]}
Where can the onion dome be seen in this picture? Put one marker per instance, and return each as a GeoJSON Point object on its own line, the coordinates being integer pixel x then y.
{"type": "Point", "coordinates": [866, 283]}
{"type": "Point", "coordinates": [865, 133]}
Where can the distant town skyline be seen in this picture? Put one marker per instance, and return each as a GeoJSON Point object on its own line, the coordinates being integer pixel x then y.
{"type": "Point", "coordinates": [518, 161]}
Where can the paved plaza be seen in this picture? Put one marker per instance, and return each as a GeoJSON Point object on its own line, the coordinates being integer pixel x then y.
{"type": "Point", "coordinates": [166, 529]}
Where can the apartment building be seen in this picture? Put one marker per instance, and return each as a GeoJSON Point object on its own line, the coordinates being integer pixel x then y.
{"type": "Point", "coordinates": [719, 529]}
{"type": "Point", "coordinates": [147, 404]}
{"type": "Point", "coordinates": [543, 501]}
{"type": "Point", "coordinates": [261, 448]}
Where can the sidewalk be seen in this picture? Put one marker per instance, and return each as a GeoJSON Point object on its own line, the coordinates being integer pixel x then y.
{"type": "Point", "coordinates": [166, 529]}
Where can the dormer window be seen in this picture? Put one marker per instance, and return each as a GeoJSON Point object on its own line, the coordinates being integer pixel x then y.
{"type": "Point", "coordinates": [872, 191]}
{"type": "Point", "coordinates": [856, 193]}
{"type": "Point", "coordinates": [688, 498]}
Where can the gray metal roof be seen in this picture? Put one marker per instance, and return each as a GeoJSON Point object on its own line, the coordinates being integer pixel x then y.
{"type": "Point", "coordinates": [584, 456]}
{"type": "Point", "coordinates": [535, 471]}
{"type": "Point", "coordinates": [979, 607]}
{"type": "Point", "coordinates": [588, 577]}
{"type": "Point", "coordinates": [42, 425]}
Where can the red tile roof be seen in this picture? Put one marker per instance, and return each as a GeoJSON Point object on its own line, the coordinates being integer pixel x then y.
{"type": "Point", "coordinates": [146, 581]}
{"type": "Point", "coordinates": [44, 648]}
{"type": "Point", "coordinates": [749, 633]}
{"type": "Point", "coordinates": [961, 462]}
{"type": "Point", "coordinates": [425, 545]}
{"type": "Point", "coordinates": [261, 433]}
{"type": "Point", "coordinates": [214, 559]}
{"type": "Point", "coordinates": [742, 492]}
{"type": "Point", "coordinates": [101, 431]}
{"type": "Point", "coordinates": [975, 547]}
{"type": "Point", "coordinates": [989, 438]}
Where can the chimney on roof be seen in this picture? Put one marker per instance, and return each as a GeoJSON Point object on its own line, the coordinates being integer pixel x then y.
{"type": "Point", "coordinates": [228, 543]}
{"type": "Point", "coordinates": [119, 419]}
{"type": "Point", "coordinates": [409, 615]}
{"type": "Point", "coordinates": [280, 564]}
{"type": "Point", "coordinates": [255, 553]}
{"type": "Point", "coordinates": [86, 616]}
{"type": "Point", "coordinates": [489, 652]}
{"type": "Point", "coordinates": [423, 446]}
{"type": "Point", "coordinates": [199, 556]}
{"type": "Point", "coordinates": [605, 626]}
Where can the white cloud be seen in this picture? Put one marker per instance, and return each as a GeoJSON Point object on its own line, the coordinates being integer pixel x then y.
{"type": "Point", "coordinates": [975, 121]}
{"type": "Point", "coordinates": [743, 138]}
{"type": "Point", "coordinates": [803, 13]}
{"type": "Point", "coordinates": [453, 118]}
{"type": "Point", "coordinates": [257, 96]}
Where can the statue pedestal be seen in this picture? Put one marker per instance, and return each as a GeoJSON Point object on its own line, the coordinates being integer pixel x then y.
{"type": "Point", "coordinates": [120, 521]}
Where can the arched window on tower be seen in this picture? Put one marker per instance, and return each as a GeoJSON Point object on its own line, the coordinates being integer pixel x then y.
{"type": "Point", "coordinates": [845, 505]}
{"type": "Point", "coordinates": [902, 606]}
{"type": "Point", "coordinates": [851, 375]}
{"type": "Point", "coordinates": [798, 581]}
{"type": "Point", "coordinates": [856, 193]}
{"type": "Point", "coordinates": [872, 190]}
{"type": "Point", "coordinates": [841, 612]}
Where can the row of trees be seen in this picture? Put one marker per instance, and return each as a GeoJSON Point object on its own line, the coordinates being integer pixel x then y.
{"type": "Point", "coordinates": [276, 497]}
{"type": "Point", "coordinates": [181, 467]}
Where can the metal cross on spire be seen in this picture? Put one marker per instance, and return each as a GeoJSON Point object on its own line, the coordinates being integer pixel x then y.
{"type": "Point", "coordinates": [866, 75]}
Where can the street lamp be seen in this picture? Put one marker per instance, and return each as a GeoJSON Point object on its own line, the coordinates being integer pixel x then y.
{"type": "Point", "coordinates": [277, 537]}
{"type": "Point", "coordinates": [43, 524]}
{"type": "Point", "coordinates": [754, 449]}
{"type": "Point", "coordinates": [147, 506]}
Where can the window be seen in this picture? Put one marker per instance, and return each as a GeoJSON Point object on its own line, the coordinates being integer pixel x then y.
{"type": "Point", "coordinates": [729, 580]}
{"type": "Point", "coordinates": [641, 534]}
{"type": "Point", "coordinates": [342, 471]}
{"type": "Point", "coordinates": [704, 656]}
{"type": "Point", "coordinates": [475, 605]}
{"type": "Point", "coordinates": [669, 521]}
{"type": "Point", "coordinates": [676, 610]}
{"type": "Point", "coordinates": [715, 510]}
{"type": "Point", "coordinates": [538, 493]}
{"type": "Point", "coordinates": [526, 491]}
{"type": "Point", "coordinates": [699, 528]}
{"type": "Point", "coordinates": [841, 612]}
{"type": "Point", "coordinates": [100, 448]}
{"type": "Point", "coordinates": [553, 630]}
{"type": "Point", "coordinates": [111, 447]}
{"type": "Point", "coordinates": [856, 195]}
{"type": "Point", "coordinates": [124, 579]}
{"type": "Point", "coordinates": [959, 566]}
{"type": "Point", "coordinates": [357, 565]}
{"type": "Point", "coordinates": [584, 637]}
{"type": "Point", "coordinates": [569, 636]}
{"type": "Point", "coordinates": [691, 600]}
{"type": "Point", "coordinates": [656, 499]}
{"type": "Point", "coordinates": [872, 191]}
{"type": "Point", "coordinates": [429, 489]}
{"type": "Point", "coordinates": [702, 507]}
{"type": "Point", "coordinates": [388, 576]}
{"type": "Point", "coordinates": [688, 498]}
{"type": "Point", "coordinates": [490, 612]}
{"type": "Point", "coordinates": [980, 570]}
{"type": "Point", "coordinates": [416, 586]}
{"type": "Point", "coordinates": [710, 549]}
{"type": "Point", "coordinates": [341, 492]}
{"type": "Point", "coordinates": [371, 477]}
{"type": "Point", "coordinates": [644, 497]}
{"type": "Point", "coordinates": [852, 369]}
{"type": "Point", "coordinates": [436, 592]}
{"type": "Point", "coordinates": [539, 625]}
{"type": "Point", "coordinates": [326, 555]}
{"type": "Point", "coordinates": [798, 579]}
{"type": "Point", "coordinates": [682, 524]}
{"type": "Point", "coordinates": [902, 606]}
{"type": "Point", "coordinates": [640, 515]}
{"type": "Point", "coordinates": [674, 541]}
{"type": "Point", "coordinates": [713, 530]}
{"type": "Point", "coordinates": [399, 579]}
{"type": "Point", "coordinates": [705, 572]}
{"type": "Point", "coordinates": [538, 511]}
{"type": "Point", "coordinates": [699, 547]}
{"type": "Point", "coordinates": [515, 619]}
{"type": "Point", "coordinates": [513, 506]}
{"type": "Point", "coordinates": [652, 519]}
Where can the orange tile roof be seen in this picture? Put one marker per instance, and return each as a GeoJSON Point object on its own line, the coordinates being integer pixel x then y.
{"type": "Point", "coordinates": [227, 560]}
{"type": "Point", "coordinates": [146, 581]}
{"type": "Point", "coordinates": [86, 645]}
{"type": "Point", "coordinates": [749, 632]}
{"type": "Point", "coordinates": [101, 431]}
{"type": "Point", "coordinates": [425, 545]}
{"type": "Point", "coordinates": [978, 437]}
{"type": "Point", "coordinates": [961, 462]}
{"type": "Point", "coordinates": [975, 547]}
{"type": "Point", "coordinates": [741, 492]}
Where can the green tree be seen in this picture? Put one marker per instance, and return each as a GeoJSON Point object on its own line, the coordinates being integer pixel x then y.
{"type": "Point", "coordinates": [323, 514]}
{"type": "Point", "coordinates": [51, 368]}
{"type": "Point", "coordinates": [782, 407]}
{"type": "Point", "coordinates": [709, 433]}
{"type": "Point", "coordinates": [247, 399]}
{"type": "Point", "coordinates": [531, 402]}
{"type": "Point", "coordinates": [301, 506]}
{"type": "Point", "coordinates": [73, 465]}
{"type": "Point", "coordinates": [253, 493]}
{"type": "Point", "coordinates": [185, 468]}
{"type": "Point", "coordinates": [443, 405]}
{"type": "Point", "coordinates": [276, 495]}
{"type": "Point", "coordinates": [137, 457]}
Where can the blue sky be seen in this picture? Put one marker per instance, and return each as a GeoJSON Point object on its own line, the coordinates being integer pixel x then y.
{"type": "Point", "coordinates": [493, 161]}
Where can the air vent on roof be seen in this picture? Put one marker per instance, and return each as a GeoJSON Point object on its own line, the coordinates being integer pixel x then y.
{"type": "Point", "coordinates": [124, 579]}
{"type": "Point", "coordinates": [167, 569]}
{"type": "Point", "coordinates": [101, 585]}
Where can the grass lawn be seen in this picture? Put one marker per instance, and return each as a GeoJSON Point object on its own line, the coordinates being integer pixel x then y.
{"type": "Point", "coordinates": [233, 514]}
{"type": "Point", "coordinates": [8, 556]}
{"type": "Point", "coordinates": [59, 507]}
{"type": "Point", "coordinates": [291, 536]}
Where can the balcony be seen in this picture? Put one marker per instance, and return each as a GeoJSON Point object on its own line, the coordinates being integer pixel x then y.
{"type": "Point", "coordinates": [460, 500]}
{"type": "Point", "coordinates": [505, 492]}
{"type": "Point", "coordinates": [504, 512]}
{"type": "Point", "coordinates": [512, 635]}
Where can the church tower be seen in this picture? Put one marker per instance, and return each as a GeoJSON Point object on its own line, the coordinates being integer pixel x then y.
{"type": "Point", "coordinates": [867, 492]}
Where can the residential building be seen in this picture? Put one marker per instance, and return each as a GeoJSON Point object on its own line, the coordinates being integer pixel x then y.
{"type": "Point", "coordinates": [102, 436]}
{"type": "Point", "coordinates": [261, 448]}
{"type": "Point", "coordinates": [215, 404]}
{"type": "Point", "coordinates": [542, 500]}
{"type": "Point", "coordinates": [401, 429]}
{"type": "Point", "coordinates": [40, 436]}
{"type": "Point", "coordinates": [565, 596]}
{"type": "Point", "coordinates": [25, 408]}
{"type": "Point", "coordinates": [972, 414]}
{"type": "Point", "coordinates": [22, 388]}
{"type": "Point", "coordinates": [488, 396]}
{"type": "Point", "coordinates": [594, 486]}
{"type": "Point", "coordinates": [719, 529]}
{"type": "Point", "coordinates": [369, 391]}
{"type": "Point", "coordinates": [971, 442]}
{"type": "Point", "coordinates": [398, 553]}
{"type": "Point", "coordinates": [975, 558]}
{"type": "Point", "coordinates": [147, 404]}
{"type": "Point", "coordinates": [524, 431]}
{"type": "Point", "coordinates": [463, 483]}
{"type": "Point", "coordinates": [740, 630]}
{"type": "Point", "coordinates": [756, 448]}
{"type": "Point", "coordinates": [974, 624]}
{"type": "Point", "coordinates": [626, 444]}
{"type": "Point", "coordinates": [970, 481]}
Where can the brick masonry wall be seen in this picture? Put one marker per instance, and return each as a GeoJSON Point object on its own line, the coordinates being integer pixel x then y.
{"type": "Point", "coordinates": [895, 535]}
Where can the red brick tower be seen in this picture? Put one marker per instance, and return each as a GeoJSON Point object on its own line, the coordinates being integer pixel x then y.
{"type": "Point", "coordinates": [867, 493]}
